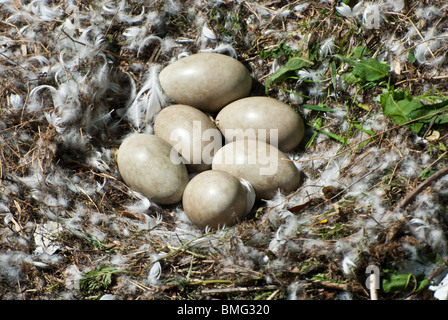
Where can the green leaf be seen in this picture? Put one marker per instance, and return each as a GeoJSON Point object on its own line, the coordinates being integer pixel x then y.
{"type": "Point", "coordinates": [403, 107]}
{"type": "Point", "coordinates": [422, 284]}
{"type": "Point", "coordinates": [411, 56]}
{"type": "Point", "coordinates": [341, 139]}
{"type": "Point", "coordinates": [359, 127]}
{"type": "Point", "coordinates": [399, 106]}
{"type": "Point", "coordinates": [350, 78]}
{"type": "Point", "coordinates": [345, 59]}
{"type": "Point", "coordinates": [98, 279]}
{"type": "Point", "coordinates": [280, 50]}
{"type": "Point", "coordinates": [371, 70]}
{"type": "Point", "coordinates": [293, 64]}
{"type": "Point", "coordinates": [426, 173]}
{"type": "Point", "coordinates": [317, 126]}
{"type": "Point", "coordinates": [369, 132]}
{"type": "Point", "coordinates": [359, 52]}
{"type": "Point", "coordinates": [428, 109]}
{"type": "Point", "coordinates": [317, 108]}
{"type": "Point", "coordinates": [333, 76]}
{"type": "Point", "coordinates": [396, 282]}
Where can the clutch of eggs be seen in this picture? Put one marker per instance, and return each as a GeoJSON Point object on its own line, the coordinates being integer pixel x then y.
{"type": "Point", "coordinates": [228, 174]}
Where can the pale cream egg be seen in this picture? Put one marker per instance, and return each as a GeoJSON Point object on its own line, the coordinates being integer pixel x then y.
{"type": "Point", "coordinates": [215, 199]}
{"type": "Point", "coordinates": [262, 118]}
{"type": "Point", "coordinates": [145, 163]}
{"type": "Point", "coordinates": [191, 132]}
{"type": "Point", "coordinates": [267, 168]}
{"type": "Point", "coordinates": [207, 81]}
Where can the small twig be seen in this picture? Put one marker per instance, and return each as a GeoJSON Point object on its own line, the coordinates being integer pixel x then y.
{"type": "Point", "coordinates": [418, 31]}
{"type": "Point", "coordinates": [139, 285]}
{"type": "Point", "coordinates": [422, 78]}
{"type": "Point", "coordinates": [337, 286]}
{"type": "Point", "coordinates": [411, 196]}
{"type": "Point", "coordinates": [194, 254]}
{"type": "Point", "coordinates": [393, 172]}
{"type": "Point", "coordinates": [273, 294]}
{"type": "Point", "coordinates": [238, 289]}
{"type": "Point", "coordinates": [205, 282]}
{"type": "Point", "coordinates": [437, 160]}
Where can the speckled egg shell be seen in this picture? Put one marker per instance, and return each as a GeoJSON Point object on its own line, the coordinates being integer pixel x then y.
{"type": "Point", "coordinates": [263, 165]}
{"type": "Point", "coordinates": [248, 116]}
{"type": "Point", "coordinates": [215, 199]}
{"type": "Point", "coordinates": [145, 165]}
{"type": "Point", "coordinates": [191, 132]}
{"type": "Point", "coordinates": [207, 81]}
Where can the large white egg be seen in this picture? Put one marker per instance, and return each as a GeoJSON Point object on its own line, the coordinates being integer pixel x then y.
{"type": "Point", "coordinates": [207, 81]}
{"type": "Point", "coordinates": [262, 118]}
{"type": "Point", "coordinates": [191, 132]}
{"type": "Point", "coordinates": [263, 165]}
{"type": "Point", "coordinates": [214, 199]}
{"type": "Point", "coordinates": [145, 164]}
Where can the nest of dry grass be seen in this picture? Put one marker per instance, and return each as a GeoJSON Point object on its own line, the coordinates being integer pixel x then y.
{"type": "Point", "coordinates": [71, 229]}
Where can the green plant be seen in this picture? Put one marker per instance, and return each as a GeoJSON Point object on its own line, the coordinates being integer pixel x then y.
{"type": "Point", "coordinates": [98, 280]}
{"type": "Point", "coordinates": [292, 65]}
{"type": "Point", "coordinates": [278, 51]}
{"type": "Point", "coordinates": [370, 70]}
{"type": "Point", "coordinates": [395, 282]}
{"type": "Point", "coordinates": [405, 108]}
{"type": "Point", "coordinates": [365, 73]}
{"type": "Point", "coordinates": [335, 231]}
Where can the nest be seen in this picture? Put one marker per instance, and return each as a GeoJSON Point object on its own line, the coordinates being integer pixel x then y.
{"type": "Point", "coordinates": [71, 229]}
